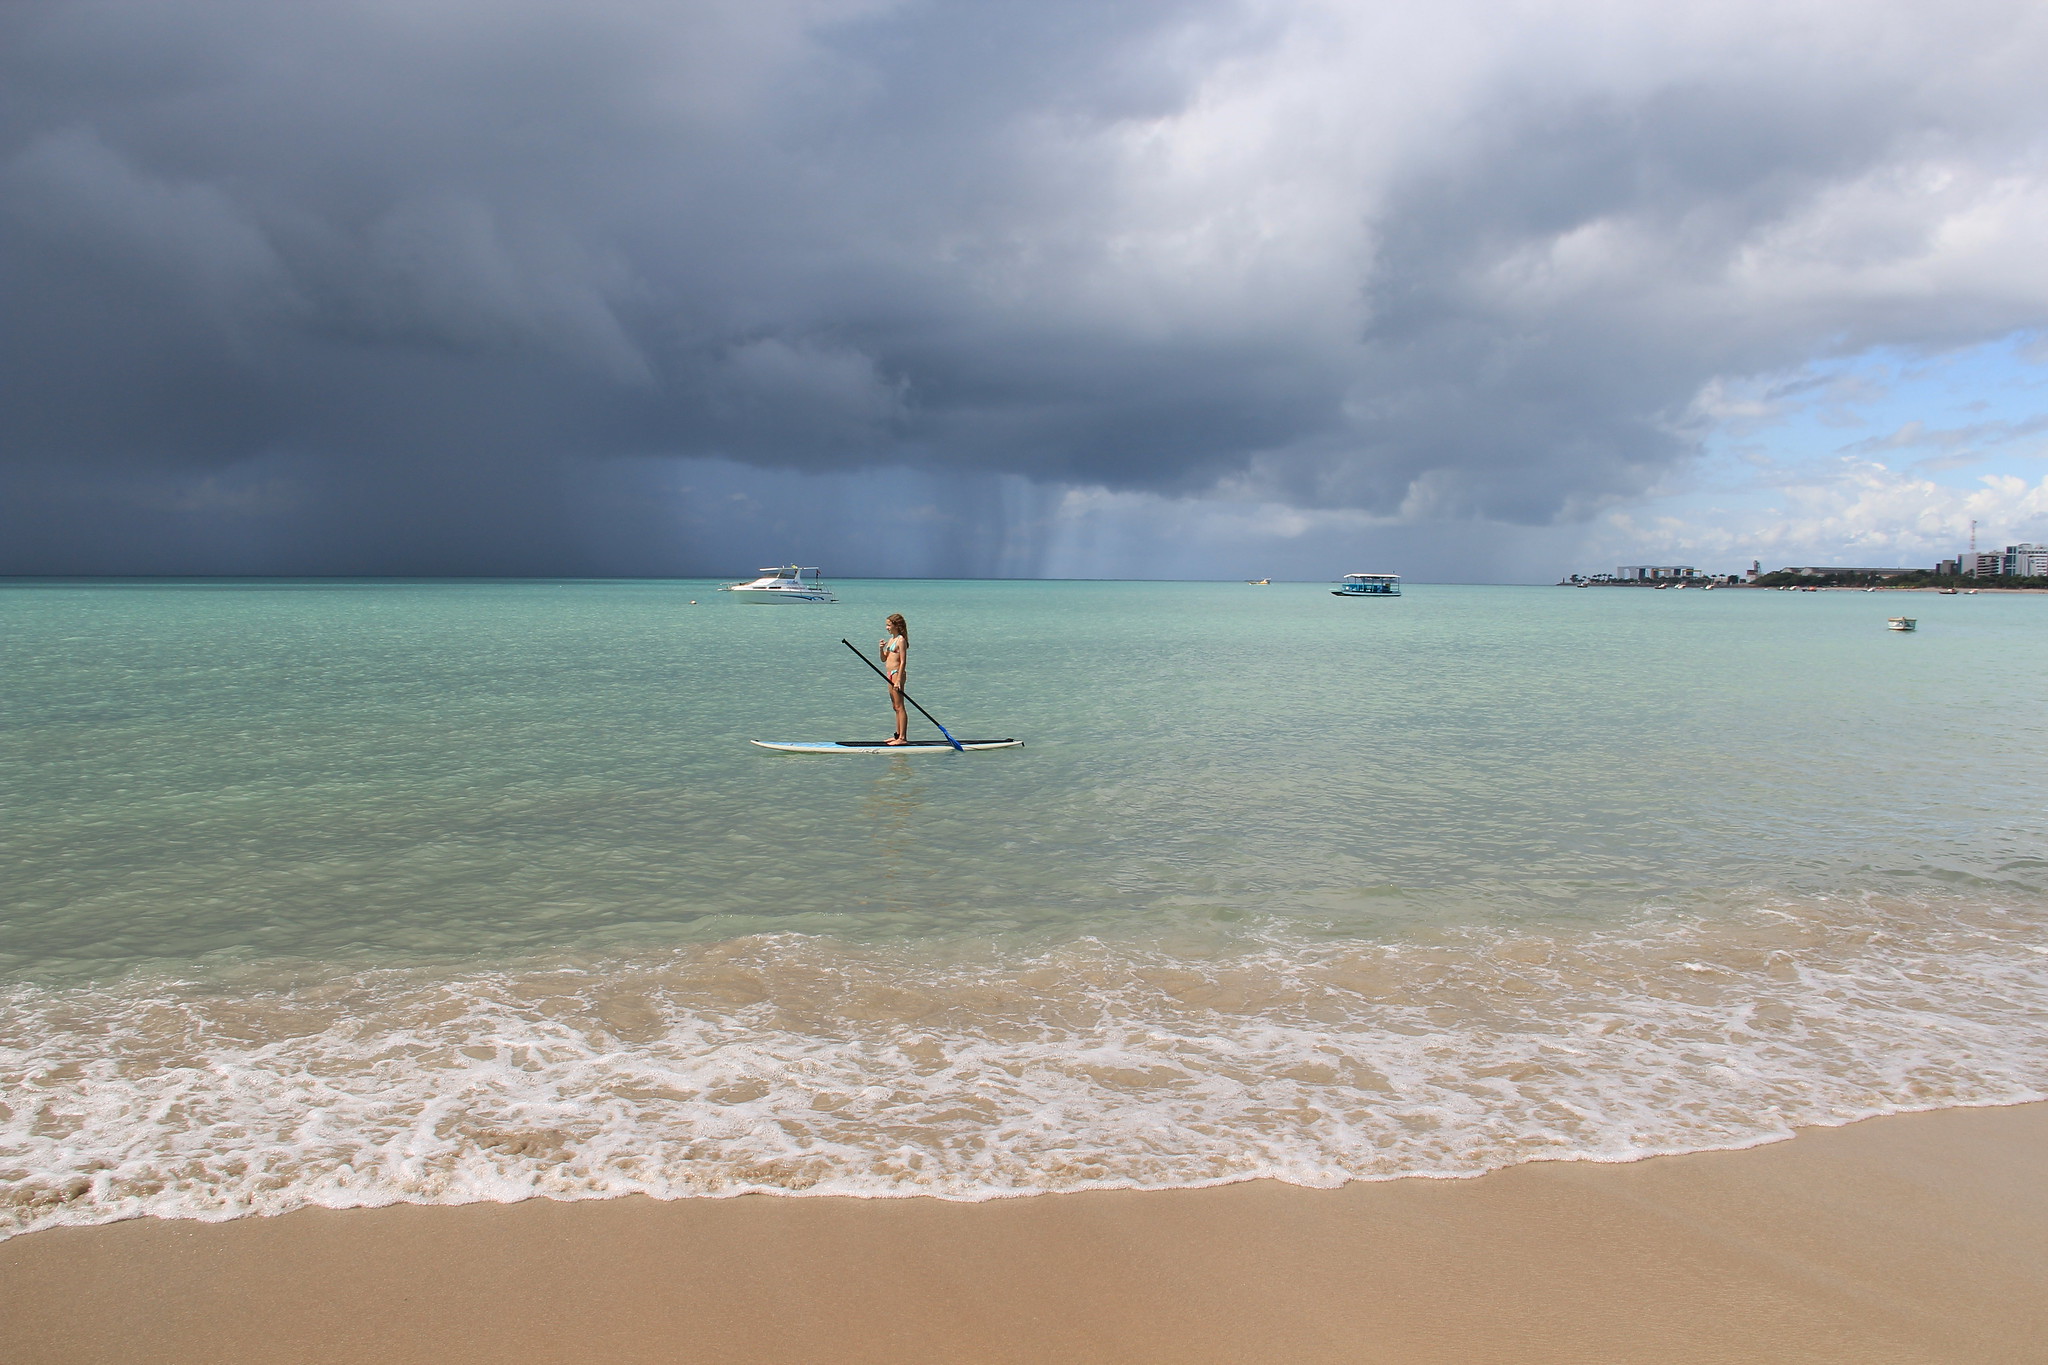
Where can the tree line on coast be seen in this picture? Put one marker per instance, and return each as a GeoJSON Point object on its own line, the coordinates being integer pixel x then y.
{"type": "Point", "coordinates": [1919, 578]}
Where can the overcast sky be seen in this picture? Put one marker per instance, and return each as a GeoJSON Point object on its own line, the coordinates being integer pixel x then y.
{"type": "Point", "coordinates": [1476, 291]}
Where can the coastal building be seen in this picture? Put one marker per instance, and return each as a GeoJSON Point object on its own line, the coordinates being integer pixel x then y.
{"type": "Point", "coordinates": [1988, 564]}
{"type": "Point", "coordinates": [1633, 573]}
{"type": "Point", "coordinates": [2025, 561]}
{"type": "Point", "coordinates": [1823, 571]}
{"type": "Point", "coordinates": [1948, 568]}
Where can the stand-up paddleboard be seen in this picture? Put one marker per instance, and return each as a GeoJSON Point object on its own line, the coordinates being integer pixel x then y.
{"type": "Point", "coordinates": [881, 746]}
{"type": "Point", "coordinates": [957, 746]}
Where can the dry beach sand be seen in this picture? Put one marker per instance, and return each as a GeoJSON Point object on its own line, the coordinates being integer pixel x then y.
{"type": "Point", "coordinates": [1912, 1238]}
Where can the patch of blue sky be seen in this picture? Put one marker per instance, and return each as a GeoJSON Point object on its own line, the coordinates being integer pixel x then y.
{"type": "Point", "coordinates": [1878, 458]}
{"type": "Point", "coordinates": [1951, 417]}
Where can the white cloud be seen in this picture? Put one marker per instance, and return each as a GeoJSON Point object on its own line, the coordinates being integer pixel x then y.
{"type": "Point", "coordinates": [1846, 511]}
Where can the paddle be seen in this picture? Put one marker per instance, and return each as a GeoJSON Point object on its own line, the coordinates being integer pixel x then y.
{"type": "Point", "coordinates": [906, 696]}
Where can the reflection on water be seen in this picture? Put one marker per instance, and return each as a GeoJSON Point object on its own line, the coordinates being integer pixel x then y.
{"type": "Point", "coordinates": [889, 812]}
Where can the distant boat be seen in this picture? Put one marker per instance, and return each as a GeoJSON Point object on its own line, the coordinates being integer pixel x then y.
{"type": "Point", "coordinates": [1903, 623]}
{"type": "Point", "coordinates": [1368, 585]}
{"type": "Point", "coordinates": [1947, 592]}
{"type": "Point", "coordinates": [783, 583]}
{"type": "Point", "coordinates": [1260, 582]}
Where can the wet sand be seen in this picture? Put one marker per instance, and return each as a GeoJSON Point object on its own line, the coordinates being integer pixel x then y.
{"type": "Point", "coordinates": [1915, 1238]}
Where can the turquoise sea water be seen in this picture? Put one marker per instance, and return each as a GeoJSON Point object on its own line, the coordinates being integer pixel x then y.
{"type": "Point", "coordinates": [360, 892]}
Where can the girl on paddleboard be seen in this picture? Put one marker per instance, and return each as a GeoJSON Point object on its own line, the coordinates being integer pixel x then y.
{"type": "Point", "coordinates": [896, 668]}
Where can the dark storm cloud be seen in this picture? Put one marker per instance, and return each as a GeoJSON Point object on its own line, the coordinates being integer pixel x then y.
{"type": "Point", "coordinates": [354, 284]}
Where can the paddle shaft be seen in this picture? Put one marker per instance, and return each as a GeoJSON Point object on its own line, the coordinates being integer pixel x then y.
{"type": "Point", "coordinates": [900, 692]}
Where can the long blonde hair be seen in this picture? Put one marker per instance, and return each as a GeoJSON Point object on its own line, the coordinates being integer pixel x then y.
{"type": "Point", "coordinates": [898, 626]}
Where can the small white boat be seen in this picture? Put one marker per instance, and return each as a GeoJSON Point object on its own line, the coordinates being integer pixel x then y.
{"type": "Point", "coordinates": [1903, 623]}
{"type": "Point", "coordinates": [1368, 585]}
{"type": "Point", "coordinates": [783, 583]}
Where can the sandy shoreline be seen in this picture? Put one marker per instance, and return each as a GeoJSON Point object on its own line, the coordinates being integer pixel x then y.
{"type": "Point", "coordinates": [1913, 1238]}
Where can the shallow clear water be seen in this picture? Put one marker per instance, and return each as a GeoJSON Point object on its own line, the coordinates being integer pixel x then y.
{"type": "Point", "coordinates": [360, 892]}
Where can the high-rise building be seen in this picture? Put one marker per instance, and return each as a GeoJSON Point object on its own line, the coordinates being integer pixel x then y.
{"type": "Point", "coordinates": [1988, 564]}
{"type": "Point", "coordinates": [2025, 561]}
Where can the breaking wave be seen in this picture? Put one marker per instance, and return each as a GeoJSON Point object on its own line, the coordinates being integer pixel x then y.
{"type": "Point", "coordinates": [793, 1064]}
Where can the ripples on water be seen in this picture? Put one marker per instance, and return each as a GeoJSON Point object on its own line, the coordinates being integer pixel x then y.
{"type": "Point", "coordinates": [454, 892]}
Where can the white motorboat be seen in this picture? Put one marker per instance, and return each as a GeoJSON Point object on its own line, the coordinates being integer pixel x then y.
{"type": "Point", "coordinates": [783, 583]}
{"type": "Point", "coordinates": [1368, 585]}
{"type": "Point", "coordinates": [1902, 623]}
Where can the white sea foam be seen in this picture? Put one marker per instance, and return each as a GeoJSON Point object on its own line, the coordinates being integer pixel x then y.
{"type": "Point", "coordinates": [798, 1065]}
